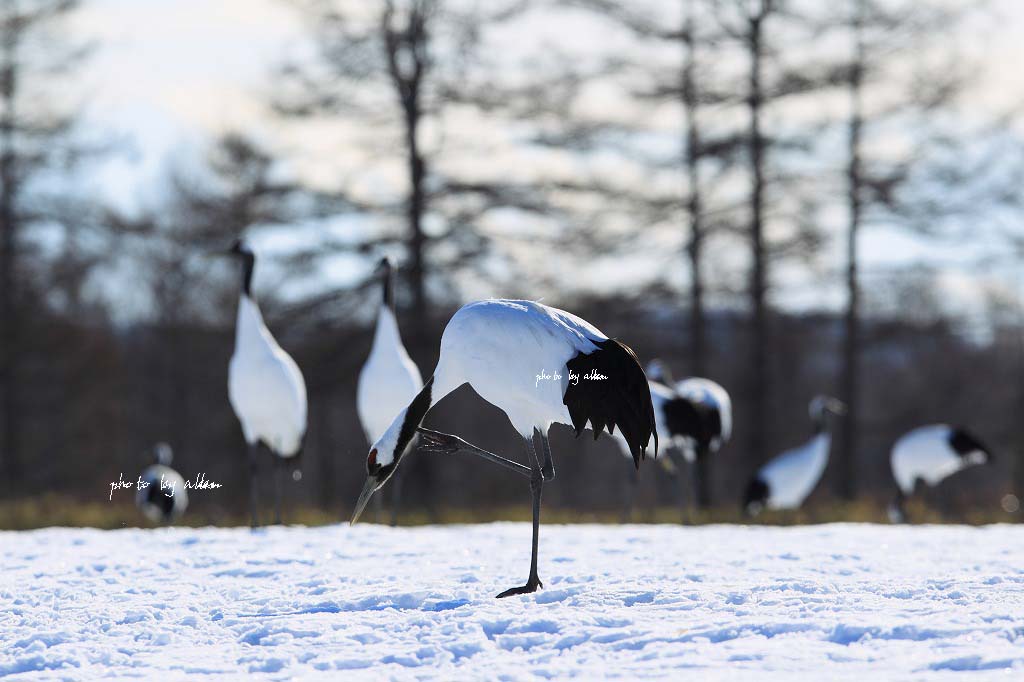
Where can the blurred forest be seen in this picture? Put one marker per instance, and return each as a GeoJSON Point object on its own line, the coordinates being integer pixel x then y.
{"type": "Point", "coordinates": [696, 178]}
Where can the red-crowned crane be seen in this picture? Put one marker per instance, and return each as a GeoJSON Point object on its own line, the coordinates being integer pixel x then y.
{"type": "Point", "coordinates": [930, 454]}
{"type": "Point", "coordinates": [539, 365]}
{"type": "Point", "coordinates": [265, 388]}
{"type": "Point", "coordinates": [696, 413]}
{"type": "Point", "coordinates": [389, 379]}
{"type": "Point", "coordinates": [164, 499]}
{"type": "Point", "coordinates": [786, 481]}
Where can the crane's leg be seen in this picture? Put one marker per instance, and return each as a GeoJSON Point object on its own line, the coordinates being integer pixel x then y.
{"type": "Point", "coordinates": [279, 467]}
{"type": "Point", "coordinates": [253, 488]}
{"type": "Point", "coordinates": [703, 475]}
{"type": "Point", "coordinates": [548, 470]}
{"type": "Point", "coordinates": [684, 478]}
{"type": "Point", "coordinates": [447, 444]}
{"type": "Point", "coordinates": [631, 486]}
{"type": "Point", "coordinates": [536, 486]}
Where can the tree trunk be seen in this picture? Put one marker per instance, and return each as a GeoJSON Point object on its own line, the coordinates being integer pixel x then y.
{"type": "Point", "coordinates": [846, 487]}
{"type": "Point", "coordinates": [759, 340]}
{"type": "Point", "coordinates": [695, 247]}
{"type": "Point", "coordinates": [10, 446]}
{"type": "Point", "coordinates": [692, 162]}
{"type": "Point", "coordinates": [415, 211]}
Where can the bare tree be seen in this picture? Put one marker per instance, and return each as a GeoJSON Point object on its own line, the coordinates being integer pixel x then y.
{"type": "Point", "coordinates": [33, 138]}
{"type": "Point", "coordinates": [398, 68]}
{"type": "Point", "coordinates": [768, 32]}
{"type": "Point", "coordinates": [880, 33]}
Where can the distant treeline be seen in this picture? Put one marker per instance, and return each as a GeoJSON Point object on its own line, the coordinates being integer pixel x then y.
{"type": "Point", "coordinates": [101, 396]}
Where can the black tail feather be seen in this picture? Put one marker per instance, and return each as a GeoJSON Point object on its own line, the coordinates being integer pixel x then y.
{"type": "Point", "coordinates": [621, 399]}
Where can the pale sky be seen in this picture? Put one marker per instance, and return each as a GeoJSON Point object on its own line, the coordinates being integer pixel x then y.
{"type": "Point", "coordinates": [168, 74]}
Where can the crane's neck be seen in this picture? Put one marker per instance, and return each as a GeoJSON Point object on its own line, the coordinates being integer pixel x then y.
{"type": "Point", "coordinates": [823, 423]}
{"type": "Point", "coordinates": [250, 331]}
{"type": "Point", "coordinates": [248, 264]}
{"type": "Point", "coordinates": [386, 337]}
{"type": "Point", "coordinates": [392, 445]}
{"type": "Point", "coordinates": [388, 286]}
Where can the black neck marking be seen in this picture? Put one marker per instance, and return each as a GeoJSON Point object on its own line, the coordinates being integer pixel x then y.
{"type": "Point", "coordinates": [823, 422]}
{"type": "Point", "coordinates": [389, 285]}
{"type": "Point", "coordinates": [413, 418]}
{"type": "Point", "coordinates": [248, 263]}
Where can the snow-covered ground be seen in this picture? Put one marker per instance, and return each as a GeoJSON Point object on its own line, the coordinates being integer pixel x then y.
{"type": "Point", "coordinates": [715, 602]}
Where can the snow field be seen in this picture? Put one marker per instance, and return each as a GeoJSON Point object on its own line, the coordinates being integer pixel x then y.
{"type": "Point", "coordinates": [655, 602]}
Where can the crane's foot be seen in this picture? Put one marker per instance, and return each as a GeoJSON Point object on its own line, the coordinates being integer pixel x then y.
{"type": "Point", "coordinates": [529, 588]}
{"type": "Point", "coordinates": [440, 443]}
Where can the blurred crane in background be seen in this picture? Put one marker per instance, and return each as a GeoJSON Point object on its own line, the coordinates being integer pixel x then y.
{"type": "Point", "coordinates": [389, 379]}
{"type": "Point", "coordinates": [266, 390]}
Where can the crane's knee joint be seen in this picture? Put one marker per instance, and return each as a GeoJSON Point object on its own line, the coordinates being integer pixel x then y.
{"type": "Point", "coordinates": [536, 480]}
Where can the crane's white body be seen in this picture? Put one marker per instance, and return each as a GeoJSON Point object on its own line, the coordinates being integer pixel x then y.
{"type": "Point", "coordinates": [711, 394]}
{"type": "Point", "coordinates": [514, 355]}
{"type": "Point", "coordinates": [162, 480]}
{"type": "Point", "coordinates": [792, 475]}
{"type": "Point", "coordinates": [265, 386]}
{"type": "Point", "coordinates": [925, 453]}
{"type": "Point", "coordinates": [388, 381]}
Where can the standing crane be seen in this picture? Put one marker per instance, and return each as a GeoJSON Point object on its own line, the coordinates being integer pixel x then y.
{"type": "Point", "coordinates": [539, 365]}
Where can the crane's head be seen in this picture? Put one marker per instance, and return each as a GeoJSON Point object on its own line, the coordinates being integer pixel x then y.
{"type": "Point", "coordinates": [242, 251]}
{"type": "Point", "coordinates": [658, 371]}
{"type": "Point", "coordinates": [383, 265]}
{"type": "Point", "coordinates": [387, 452]}
{"type": "Point", "coordinates": [163, 453]}
{"type": "Point", "coordinates": [822, 406]}
{"type": "Point", "coordinates": [239, 249]}
{"type": "Point", "coordinates": [383, 271]}
{"type": "Point", "coordinates": [380, 465]}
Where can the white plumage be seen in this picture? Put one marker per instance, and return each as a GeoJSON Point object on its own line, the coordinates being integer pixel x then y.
{"type": "Point", "coordinates": [926, 453]}
{"type": "Point", "coordinates": [792, 475]}
{"type": "Point", "coordinates": [265, 386]}
{"type": "Point", "coordinates": [539, 365]}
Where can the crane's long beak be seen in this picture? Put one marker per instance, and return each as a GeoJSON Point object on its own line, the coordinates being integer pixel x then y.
{"type": "Point", "coordinates": [364, 497]}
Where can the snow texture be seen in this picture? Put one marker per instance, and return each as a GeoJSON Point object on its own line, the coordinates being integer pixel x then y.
{"type": "Point", "coordinates": [830, 602]}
